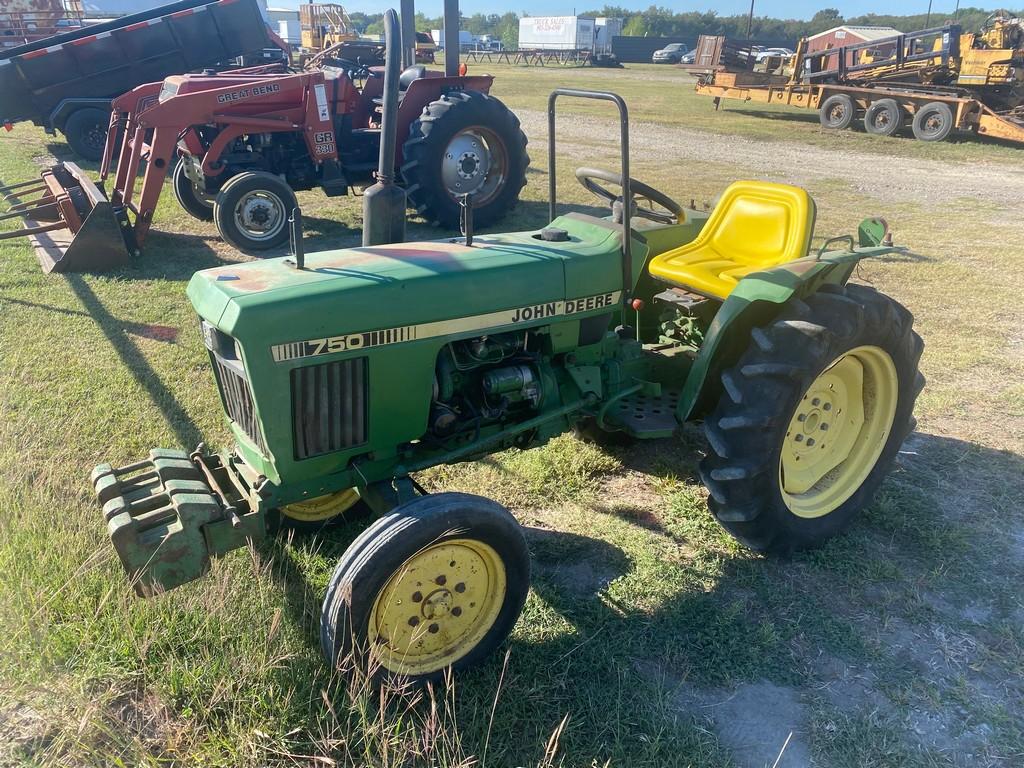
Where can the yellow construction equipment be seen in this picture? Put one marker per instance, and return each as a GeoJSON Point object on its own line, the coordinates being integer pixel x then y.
{"type": "Point", "coordinates": [324, 25]}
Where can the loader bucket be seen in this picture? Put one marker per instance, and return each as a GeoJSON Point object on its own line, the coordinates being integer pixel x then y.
{"type": "Point", "coordinates": [73, 225]}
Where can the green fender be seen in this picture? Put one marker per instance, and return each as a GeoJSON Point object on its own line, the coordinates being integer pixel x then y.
{"type": "Point", "coordinates": [754, 301]}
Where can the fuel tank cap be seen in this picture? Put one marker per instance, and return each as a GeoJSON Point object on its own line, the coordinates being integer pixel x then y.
{"type": "Point", "coordinates": [554, 235]}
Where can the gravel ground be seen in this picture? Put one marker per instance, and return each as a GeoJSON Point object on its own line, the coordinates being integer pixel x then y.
{"type": "Point", "coordinates": [912, 180]}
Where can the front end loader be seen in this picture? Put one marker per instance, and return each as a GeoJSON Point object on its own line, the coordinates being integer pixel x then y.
{"type": "Point", "coordinates": [345, 373]}
{"type": "Point", "coordinates": [239, 144]}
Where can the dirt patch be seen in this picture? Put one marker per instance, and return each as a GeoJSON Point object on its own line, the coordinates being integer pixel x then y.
{"type": "Point", "coordinates": [912, 180]}
{"type": "Point", "coordinates": [24, 733]}
{"type": "Point", "coordinates": [756, 722]}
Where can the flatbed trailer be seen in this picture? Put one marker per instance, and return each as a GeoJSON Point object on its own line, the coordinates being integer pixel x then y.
{"type": "Point", "coordinates": [910, 80]}
{"type": "Point", "coordinates": [934, 113]}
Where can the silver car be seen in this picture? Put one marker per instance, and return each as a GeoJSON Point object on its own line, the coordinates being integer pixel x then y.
{"type": "Point", "coordinates": [670, 54]}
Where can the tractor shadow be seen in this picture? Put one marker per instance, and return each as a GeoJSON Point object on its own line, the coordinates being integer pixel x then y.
{"type": "Point", "coordinates": [120, 335]}
{"type": "Point", "coordinates": [606, 632]}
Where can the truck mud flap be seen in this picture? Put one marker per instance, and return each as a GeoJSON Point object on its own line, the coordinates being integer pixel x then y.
{"type": "Point", "coordinates": [75, 228]}
{"type": "Point", "coordinates": [166, 521]}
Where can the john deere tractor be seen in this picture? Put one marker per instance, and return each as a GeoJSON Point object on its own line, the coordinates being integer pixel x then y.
{"type": "Point", "coordinates": [344, 373]}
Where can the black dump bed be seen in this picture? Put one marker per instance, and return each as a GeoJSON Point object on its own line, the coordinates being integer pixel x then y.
{"type": "Point", "coordinates": [106, 60]}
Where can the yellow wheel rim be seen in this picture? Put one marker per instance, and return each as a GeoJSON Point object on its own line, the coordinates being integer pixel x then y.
{"type": "Point", "coordinates": [838, 431]}
{"type": "Point", "coordinates": [437, 607]}
{"type": "Point", "coordinates": [322, 508]}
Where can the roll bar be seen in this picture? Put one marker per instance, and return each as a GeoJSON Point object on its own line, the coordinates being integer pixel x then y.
{"type": "Point", "coordinates": [627, 193]}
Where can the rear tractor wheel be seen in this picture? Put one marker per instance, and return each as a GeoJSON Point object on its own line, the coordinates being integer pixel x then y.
{"type": "Point", "coordinates": [465, 142]}
{"type": "Point", "coordinates": [837, 112]}
{"type": "Point", "coordinates": [251, 211]}
{"type": "Point", "coordinates": [437, 583]}
{"type": "Point", "coordinates": [883, 117]}
{"type": "Point", "coordinates": [811, 418]}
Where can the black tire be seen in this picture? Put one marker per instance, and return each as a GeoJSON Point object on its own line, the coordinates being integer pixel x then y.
{"type": "Point", "coordinates": [883, 117]}
{"type": "Point", "coordinates": [307, 522]}
{"type": "Point", "coordinates": [933, 122]}
{"type": "Point", "coordinates": [747, 430]}
{"type": "Point", "coordinates": [197, 204]}
{"type": "Point", "coordinates": [253, 195]}
{"type": "Point", "coordinates": [464, 116]}
{"type": "Point", "coordinates": [385, 550]}
{"type": "Point", "coordinates": [838, 112]}
{"type": "Point", "coordinates": [86, 132]}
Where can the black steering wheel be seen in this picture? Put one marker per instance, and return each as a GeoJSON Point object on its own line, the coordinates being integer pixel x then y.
{"type": "Point", "coordinates": [671, 212]}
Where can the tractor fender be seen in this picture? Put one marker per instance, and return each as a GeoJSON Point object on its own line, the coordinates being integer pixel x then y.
{"type": "Point", "coordinates": [754, 301]}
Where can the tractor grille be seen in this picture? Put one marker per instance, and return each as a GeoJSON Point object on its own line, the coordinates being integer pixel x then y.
{"type": "Point", "coordinates": [329, 407]}
{"type": "Point", "coordinates": [237, 398]}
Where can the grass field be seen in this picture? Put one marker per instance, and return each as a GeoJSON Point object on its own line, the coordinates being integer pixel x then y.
{"type": "Point", "coordinates": [649, 638]}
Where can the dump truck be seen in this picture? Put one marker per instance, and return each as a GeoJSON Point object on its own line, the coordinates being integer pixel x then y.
{"type": "Point", "coordinates": [66, 82]}
{"type": "Point", "coordinates": [935, 81]}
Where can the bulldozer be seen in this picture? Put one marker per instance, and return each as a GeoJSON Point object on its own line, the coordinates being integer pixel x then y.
{"type": "Point", "coordinates": [344, 373]}
{"type": "Point", "coordinates": [238, 144]}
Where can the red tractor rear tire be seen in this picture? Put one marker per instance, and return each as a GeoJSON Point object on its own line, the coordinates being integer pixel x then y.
{"type": "Point", "coordinates": [466, 141]}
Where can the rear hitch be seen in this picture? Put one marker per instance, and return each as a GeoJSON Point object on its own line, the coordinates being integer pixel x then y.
{"type": "Point", "coordinates": [169, 513]}
{"type": "Point", "coordinates": [74, 226]}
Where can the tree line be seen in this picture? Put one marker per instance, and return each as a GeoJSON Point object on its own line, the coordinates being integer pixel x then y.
{"type": "Point", "coordinates": [657, 21]}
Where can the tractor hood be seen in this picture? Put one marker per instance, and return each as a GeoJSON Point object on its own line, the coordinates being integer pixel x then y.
{"type": "Point", "coordinates": [271, 302]}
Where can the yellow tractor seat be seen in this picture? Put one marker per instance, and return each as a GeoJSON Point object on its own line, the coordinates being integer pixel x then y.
{"type": "Point", "coordinates": [756, 225]}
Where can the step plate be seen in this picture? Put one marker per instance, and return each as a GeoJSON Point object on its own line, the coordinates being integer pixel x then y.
{"type": "Point", "coordinates": [645, 416]}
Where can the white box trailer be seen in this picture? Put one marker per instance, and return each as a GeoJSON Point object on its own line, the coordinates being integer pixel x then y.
{"type": "Point", "coordinates": [467, 40]}
{"type": "Point", "coordinates": [604, 30]}
{"type": "Point", "coordinates": [556, 33]}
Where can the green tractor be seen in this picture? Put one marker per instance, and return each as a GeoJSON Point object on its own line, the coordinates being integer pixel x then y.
{"type": "Point", "coordinates": [344, 373]}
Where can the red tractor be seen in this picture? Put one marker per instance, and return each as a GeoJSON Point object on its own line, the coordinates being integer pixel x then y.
{"type": "Point", "coordinates": [238, 144]}
{"type": "Point", "coordinates": [244, 142]}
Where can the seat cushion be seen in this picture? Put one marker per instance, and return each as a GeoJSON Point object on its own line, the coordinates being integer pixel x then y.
{"type": "Point", "coordinates": [756, 225]}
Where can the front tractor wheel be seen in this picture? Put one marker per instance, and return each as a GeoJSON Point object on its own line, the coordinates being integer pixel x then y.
{"type": "Point", "coordinates": [251, 211]}
{"type": "Point", "coordinates": [196, 203]}
{"type": "Point", "coordinates": [811, 417]}
{"type": "Point", "coordinates": [465, 142]}
{"type": "Point", "coordinates": [437, 583]}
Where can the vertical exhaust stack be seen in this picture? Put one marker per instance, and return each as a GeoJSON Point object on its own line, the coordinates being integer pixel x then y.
{"type": "Point", "coordinates": [384, 203]}
{"type": "Point", "coordinates": [408, 33]}
{"type": "Point", "coordinates": [451, 38]}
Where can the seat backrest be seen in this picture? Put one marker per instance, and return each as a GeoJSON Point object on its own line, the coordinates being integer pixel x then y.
{"type": "Point", "coordinates": [409, 74]}
{"type": "Point", "coordinates": [761, 223]}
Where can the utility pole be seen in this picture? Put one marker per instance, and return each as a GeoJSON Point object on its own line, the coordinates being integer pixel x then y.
{"type": "Point", "coordinates": [928, 18]}
{"type": "Point", "coordinates": [750, 18]}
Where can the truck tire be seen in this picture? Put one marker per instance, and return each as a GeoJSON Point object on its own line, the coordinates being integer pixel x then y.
{"type": "Point", "coordinates": [436, 584]}
{"type": "Point", "coordinates": [883, 117]}
{"type": "Point", "coordinates": [196, 203]}
{"type": "Point", "coordinates": [837, 112]}
{"type": "Point", "coordinates": [251, 211]}
{"type": "Point", "coordinates": [86, 132]}
{"type": "Point", "coordinates": [811, 417]}
{"type": "Point", "coordinates": [466, 141]}
{"type": "Point", "coordinates": [933, 122]}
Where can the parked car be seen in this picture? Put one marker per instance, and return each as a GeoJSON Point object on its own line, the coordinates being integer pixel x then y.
{"type": "Point", "coordinates": [764, 54]}
{"type": "Point", "coordinates": [670, 54]}
{"type": "Point", "coordinates": [689, 58]}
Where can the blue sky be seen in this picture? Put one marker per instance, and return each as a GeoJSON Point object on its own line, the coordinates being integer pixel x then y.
{"type": "Point", "coordinates": [791, 9]}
